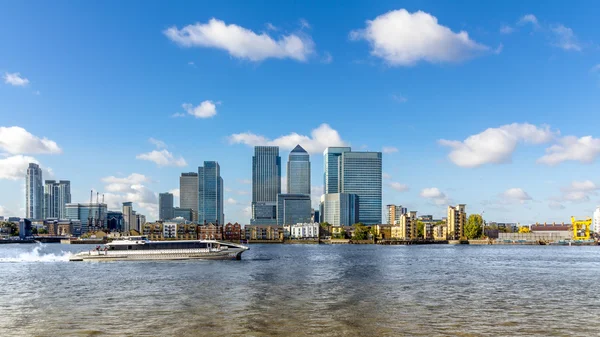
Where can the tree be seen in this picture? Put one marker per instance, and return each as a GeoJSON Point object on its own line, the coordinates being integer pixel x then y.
{"type": "Point", "coordinates": [420, 229]}
{"type": "Point", "coordinates": [474, 227]}
{"type": "Point", "coordinates": [361, 232]}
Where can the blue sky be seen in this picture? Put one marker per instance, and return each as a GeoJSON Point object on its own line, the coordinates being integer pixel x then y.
{"type": "Point", "coordinates": [86, 85]}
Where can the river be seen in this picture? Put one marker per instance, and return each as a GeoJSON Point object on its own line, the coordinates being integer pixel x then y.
{"type": "Point", "coordinates": [296, 290]}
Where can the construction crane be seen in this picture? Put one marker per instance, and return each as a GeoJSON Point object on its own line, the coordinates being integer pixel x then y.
{"type": "Point", "coordinates": [581, 228]}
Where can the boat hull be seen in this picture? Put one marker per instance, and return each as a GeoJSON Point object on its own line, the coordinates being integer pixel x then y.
{"type": "Point", "coordinates": [230, 254]}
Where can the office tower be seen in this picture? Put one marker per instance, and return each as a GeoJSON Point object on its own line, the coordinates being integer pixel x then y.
{"type": "Point", "coordinates": [92, 216]}
{"type": "Point", "coordinates": [210, 194]}
{"type": "Point", "coordinates": [165, 206]}
{"type": "Point", "coordinates": [188, 192]}
{"type": "Point", "coordinates": [394, 212]}
{"type": "Point", "coordinates": [298, 171]}
{"type": "Point", "coordinates": [128, 217]}
{"type": "Point", "coordinates": [331, 163]}
{"type": "Point", "coordinates": [360, 174]}
{"type": "Point", "coordinates": [56, 196]}
{"type": "Point", "coordinates": [457, 218]}
{"type": "Point", "coordinates": [341, 209]}
{"type": "Point", "coordinates": [266, 184]}
{"type": "Point", "coordinates": [114, 220]}
{"type": "Point", "coordinates": [34, 193]}
{"type": "Point", "coordinates": [293, 209]}
{"type": "Point", "coordinates": [184, 213]}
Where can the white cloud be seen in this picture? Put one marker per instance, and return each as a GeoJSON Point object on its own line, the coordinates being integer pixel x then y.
{"type": "Point", "coordinates": [240, 42]}
{"type": "Point", "coordinates": [134, 178]}
{"type": "Point", "coordinates": [499, 49]}
{"type": "Point", "coordinates": [158, 143]}
{"type": "Point", "coordinates": [304, 24]}
{"type": "Point", "coordinates": [577, 191]}
{"type": "Point", "coordinates": [175, 192]}
{"type": "Point", "coordinates": [435, 195]}
{"type": "Point", "coordinates": [585, 150]}
{"type": "Point", "coordinates": [245, 181]}
{"type": "Point", "coordinates": [178, 114]}
{"type": "Point", "coordinates": [131, 188]}
{"type": "Point", "coordinates": [5, 212]}
{"type": "Point", "coordinates": [270, 26]}
{"type": "Point", "coordinates": [403, 39]}
{"type": "Point", "coordinates": [206, 109]}
{"type": "Point", "coordinates": [564, 38]}
{"type": "Point", "coordinates": [386, 176]}
{"type": "Point", "coordinates": [16, 140]}
{"type": "Point", "coordinates": [162, 158]}
{"type": "Point", "coordinates": [528, 18]}
{"type": "Point", "coordinates": [398, 186]}
{"type": "Point", "coordinates": [321, 138]}
{"type": "Point", "coordinates": [556, 205]}
{"type": "Point", "coordinates": [15, 167]}
{"type": "Point", "coordinates": [327, 58]}
{"type": "Point", "coordinates": [399, 98]}
{"type": "Point", "coordinates": [15, 79]}
{"type": "Point", "coordinates": [506, 29]}
{"type": "Point", "coordinates": [231, 201]}
{"type": "Point", "coordinates": [389, 149]}
{"type": "Point", "coordinates": [495, 145]}
{"type": "Point", "coordinates": [516, 194]}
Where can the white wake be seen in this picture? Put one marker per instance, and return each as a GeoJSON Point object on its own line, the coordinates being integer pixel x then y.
{"type": "Point", "coordinates": [36, 256]}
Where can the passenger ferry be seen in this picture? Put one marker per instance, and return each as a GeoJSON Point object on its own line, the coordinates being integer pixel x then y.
{"type": "Point", "coordinates": [139, 248]}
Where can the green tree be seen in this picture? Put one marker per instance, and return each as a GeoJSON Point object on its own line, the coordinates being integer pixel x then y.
{"type": "Point", "coordinates": [420, 229]}
{"type": "Point", "coordinates": [43, 231]}
{"type": "Point", "coordinates": [361, 232]}
{"type": "Point", "coordinates": [474, 227]}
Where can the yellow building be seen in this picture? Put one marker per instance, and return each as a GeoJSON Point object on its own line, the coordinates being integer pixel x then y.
{"type": "Point", "coordinates": [382, 232]}
{"type": "Point", "coordinates": [457, 218]}
{"type": "Point", "coordinates": [406, 228]}
{"type": "Point", "coordinates": [440, 232]}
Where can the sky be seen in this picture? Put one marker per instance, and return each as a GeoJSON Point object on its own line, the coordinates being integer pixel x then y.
{"type": "Point", "coordinates": [492, 104]}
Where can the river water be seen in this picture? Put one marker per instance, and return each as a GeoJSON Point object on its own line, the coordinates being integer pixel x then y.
{"type": "Point", "coordinates": [295, 290]}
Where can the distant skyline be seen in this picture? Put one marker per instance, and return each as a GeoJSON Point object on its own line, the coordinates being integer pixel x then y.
{"type": "Point", "coordinates": [494, 107]}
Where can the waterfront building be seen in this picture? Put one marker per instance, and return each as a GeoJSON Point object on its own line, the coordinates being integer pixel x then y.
{"type": "Point", "coordinates": [34, 193]}
{"type": "Point", "coordinates": [342, 232]}
{"type": "Point", "coordinates": [186, 214]}
{"type": "Point", "coordinates": [264, 232]}
{"type": "Point", "coordinates": [293, 208]}
{"type": "Point", "coordinates": [382, 232]}
{"type": "Point", "coordinates": [128, 218]}
{"type": "Point", "coordinates": [25, 229]}
{"type": "Point", "coordinates": [341, 209]}
{"type": "Point", "coordinates": [140, 220]}
{"type": "Point", "coordinates": [266, 184]}
{"type": "Point", "coordinates": [361, 175]}
{"type": "Point", "coordinates": [440, 232]}
{"type": "Point", "coordinates": [56, 196]}
{"type": "Point", "coordinates": [165, 206]}
{"type": "Point", "coordinates": [393, 214]}
{"type": "Point", "coordinates": [332, 166]}
{"type": "Point", "coordinates": [210, 193]}
{"type": "Point", "coordinates": [596, 221]}
{"type": "Point", "coordinates": [406, 228]}
{"type": "Point", "coordinates": [92, 216]}
{"type": "Point", "coordinates": [233, 232]}
{"type": "Point", "coordinates": [114, 220]}
{"type": "Point", "coordinates": [457, 218]}
{"type": "Point", "coordinates": [298, 171]}
{"type": "Point", "coordinates": [210, 231]}
{"type": "Point", "coordinates": [304, 231]}
{"type": "Point", "coordinates": [188, 192]}
{"type": "Point", "coordinates": [63, 227]}
{"type": "Point", "coordinates": [169, 230]}
{"type": "Point", "coordinates": [187, 231]}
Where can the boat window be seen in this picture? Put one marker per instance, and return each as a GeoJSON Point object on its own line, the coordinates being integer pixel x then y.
{"type": "Point", "coordinates": [128, 247]}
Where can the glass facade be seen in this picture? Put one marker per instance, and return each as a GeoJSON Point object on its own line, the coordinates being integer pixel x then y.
{"type": "Point", "coordinates": [90, 215]}
{"type": "Point", "coordinates": [185, 213]}
{"type": "Point", "coordinates": [340, 209]}
{"type": "Point", "coordinates": [34, 193]}
{"type": "Point", "coordinates": [293, 209]}
{"type": "Point", "coordinates": [361, 175]}
{"type": "Point", "coordinates": [210, 193]}
{"type": "Point", "coordinates": [266, 184]}
{"type": "Point", "coordinates": [188, 191]}
{"type": "Point", "coordinates": [331, 163]}
{"type": "Point", "coordinates": [298, 171]}
{"type": "Point", "coordinates": [165, 206]}
{"type": "Point", "coordinates": [56, 196]}
{"type": "Point", "coordinates": [114, 220]}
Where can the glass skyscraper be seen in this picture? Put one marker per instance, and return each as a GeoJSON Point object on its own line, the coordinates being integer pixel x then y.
{"type": "Point", "coordinates": [360, 174]}
{"type": "Point", "coordinates": [34, 193]}
{"type": "Point", "coordinates": [340, 209]}
{"type": "Point", "coordinates": [298, 171]}
{"type": "Point", "coordinates": [210, 193]}
{"type": "Point", "coordinates": [94, 215]}
{"type": "Point", "coordinates": [266, 184]}
{"type": "Point", "coordinates": [165, 206]}
{"type": "Point", "coordinates": [56, 196]}
{"type": "Point", "coordinates": [331, 163]}
{"type": "Point", "coordinates": [188, 192]}
{"type": "Point", "coordinates": [293, 209]}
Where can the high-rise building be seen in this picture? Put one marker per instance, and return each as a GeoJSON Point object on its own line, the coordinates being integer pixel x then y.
{"type": "Point", "coordinates": [293, 209]}
{"type": "Point", "coordinates": [92, 216]}
{"type": "Point", "coordinates": [298, 171]}
{"type": "Point", "coordinates": [114, 220]}
{"type": "Point", "coordinates": [128, 217]}
{"type": "Point", "coordinates": [184, 213]}
{"type": "Point", "coordinates": [266, 184]}
{"type": "Point", "coordinates": [56, 196]}
{"type": "Point", "coordinates": [188, 192]}
{"type": "Point", "coordinates": [457, 218]}
{"type": "Point", "coordinates": [210, 194]}
{"type": "Point", "coordinates": [332, 165]}
{"type": "Point", "coordinates": [596, 222]}
{"type": "Point", "coordinates": [34, 193]}
{"type": "Point", "coordinates": [165, 206]}
{"type": "Point", "coordinates": [341, 209]}
{"type": "Point", "coordinates": [361, 175]}
{"type": "Point", "coordinates": [394, 212]}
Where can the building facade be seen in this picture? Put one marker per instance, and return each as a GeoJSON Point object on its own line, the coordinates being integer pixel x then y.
{"type": "Point", "coordinates": [34, 193]}
{"type": "Point", "coordinates": [406, 228]}
{"type": "Point", "coordinates": [165, 206]}
{"type": "Point", "coordinates": [596, 221]}
{"type": "Point", "coordinates": [393, 214]}
{"type": "Point", "coordinates": [298, 171]}
{"type": "Point", "coordinates": [188, 192]}
{"type": "Point", "coordinates": [210, 193]}
{"type": "Point", "coordinates": [341, 209]}
{"type": "Point", "coordinates": [266, 184]}
{"type": "Point", "coordinates": [293, 209]}
{"type": "Point", "coordinates": [332, 166]}
{"type": "Point", "coordinates": [56, 196]}
{"type": "Point", "coordinates": [128, 217]}
{"type": "Point", "coordinates": [185, 213]}
{"type": "Point", "coordinates": [457, 218]}
{"type": "Point", "coordinates": [92, 216]}
{"type": "Point", "coordinates": [233, 232]}
{"type": "Point", "coordinates": [114, 221]}
{"type": "Point", "coordinates": [304, 231]}
{"type": "Point", "coordinates": [361, 175]}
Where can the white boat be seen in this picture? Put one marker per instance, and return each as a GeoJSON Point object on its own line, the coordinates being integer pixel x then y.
{"type": "Point", "coordinates": [139, 248]}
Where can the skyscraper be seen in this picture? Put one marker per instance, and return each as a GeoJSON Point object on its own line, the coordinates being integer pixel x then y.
{"type": "Point", "coordinates": [56, 196]}
{"type": "Point", "coordinates": [293, 209]}
{"type": "Point", "coordinates": [298, 171]}
{"type": "Point", "coordinates": [165, 206]}
{"type": "Point", "coordinates": [34, 193]}
{"type": "Point", "coordinates": [128, 217]}
{"type": "Point", "coordinates": [360, 174]}
{"type": "Point", "coordinates": [331, 163]}
{"type": "Point", "coordinates": [340, 209]}
{"type": "Point", "coordinates": [266, 184]}
{"type": "Point", "coordinates": [394, 213]}
{"type": "Point", "coordinates": [210, 193]}
{"type": "Point", "coordinates": [188, 192]}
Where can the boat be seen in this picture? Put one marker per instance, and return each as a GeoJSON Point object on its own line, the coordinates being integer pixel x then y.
{"type": "Point", "coordinates": [139, 248]}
